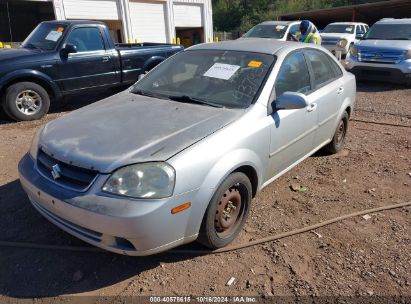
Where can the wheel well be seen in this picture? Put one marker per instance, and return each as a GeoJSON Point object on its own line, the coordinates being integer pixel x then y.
{"type": "Point", "coordinates": [152, 65]}
{"type": "Point", "coordinates": [38, 81]}
{"type": "Point", "coordinates": [348, 110]}
{"type": "Point", "coordinates": [252, 176]}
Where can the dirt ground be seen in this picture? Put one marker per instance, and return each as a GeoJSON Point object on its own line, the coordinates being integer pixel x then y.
{"type": "Point", "coordinates": [356, 257]}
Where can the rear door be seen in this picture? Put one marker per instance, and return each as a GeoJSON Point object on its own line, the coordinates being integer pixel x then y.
{"type": "Point", "coordinates": [328, 88]}
{"type": "Point", "coordinates": [92, 65]}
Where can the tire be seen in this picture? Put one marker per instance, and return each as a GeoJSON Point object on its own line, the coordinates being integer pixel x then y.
{"type": "Point", "coordinates": [216, 230]}
{"type": "Point", "coordinates": [24, 101]}
{"type": "Point", "coordinates": [338, 139]}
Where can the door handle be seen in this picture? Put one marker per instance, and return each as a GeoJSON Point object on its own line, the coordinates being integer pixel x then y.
{"type": "Point", "coordinates": [105, 58]}
{"type": "Point", "coordinates": [312, 107]}
{"type": "Point", "coordinates": [340, 90]}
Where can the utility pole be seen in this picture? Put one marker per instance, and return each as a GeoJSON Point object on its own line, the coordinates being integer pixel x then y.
{"type": "Point", "coordinates": [8, 16]}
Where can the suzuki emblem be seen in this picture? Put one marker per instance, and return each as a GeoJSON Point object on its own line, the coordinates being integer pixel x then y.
{"type": "Point", "coordinates": [56, 172]}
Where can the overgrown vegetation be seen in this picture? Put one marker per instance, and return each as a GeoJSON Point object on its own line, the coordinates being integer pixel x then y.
{"type": "Point", "coordinates": [241, 15]}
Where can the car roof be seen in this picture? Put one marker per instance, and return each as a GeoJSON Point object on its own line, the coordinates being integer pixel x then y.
{"type": "Point", "coordinates": [277, 22]}
{"type": "Point", "coordinates": [348, 23]}
{"type": "Point", "coordinates": [254, 45]}
{"type": "Point", "coordinates": [74, 22]}
{"type": "Point", "coordinates": [394, 21]}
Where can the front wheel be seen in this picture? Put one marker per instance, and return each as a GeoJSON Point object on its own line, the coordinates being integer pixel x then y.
{"type": "Point", "coordinates": [26, 101]}
{"type": "Point", "coordinates": [337, 142]}
{"type": "Point", "coordinates": [227, 212]}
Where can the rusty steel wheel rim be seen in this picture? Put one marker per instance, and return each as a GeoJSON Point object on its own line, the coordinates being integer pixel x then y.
{"type": "Point", "coordinates": [229, 212]}
{"type": "Point", "coordinates": [340, 133]}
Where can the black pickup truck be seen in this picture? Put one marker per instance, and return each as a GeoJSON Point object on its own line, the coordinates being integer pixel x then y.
{"type": "Point", "coordinates": [65, 57]}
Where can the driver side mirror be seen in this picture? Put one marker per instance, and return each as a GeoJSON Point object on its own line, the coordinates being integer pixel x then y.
{"type": "Point", "coordinates": [360, 35]}
{"type": "Point", "coordinates": [290, 101]}
{"type": "Point", "coordinates": [69, 49]}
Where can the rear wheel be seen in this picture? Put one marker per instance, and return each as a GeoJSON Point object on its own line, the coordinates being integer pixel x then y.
{"type": "Point", "coordinates": [227, 212]}
{"type": "Point", "coordinates": [337, 142]}
{"type": "Point", "coordinates": [25, 101]}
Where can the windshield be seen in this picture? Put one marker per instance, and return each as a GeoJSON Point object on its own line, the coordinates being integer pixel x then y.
{"type": "Point", "coordinates": [339, 28]}
{"type": "Point", "coordinates": [214, 77]}
{"type": "Point", "coordinates": [389, 32]}
{"type": "Point", "coordinates": [46, 36]}
{"type": "Point", "coordinates": [276, 31]}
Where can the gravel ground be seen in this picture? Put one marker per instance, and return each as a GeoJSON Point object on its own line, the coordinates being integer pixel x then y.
{"type": "Point", "coordinates": [357, 257]}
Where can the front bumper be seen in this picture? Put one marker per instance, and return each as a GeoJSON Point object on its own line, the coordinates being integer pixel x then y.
{"type": "Point", "coordinates": [121, 225]}
{"type": "Point", "coordinates": [394, 73]}
{"type": "Point", "coordinates": [335, 48]}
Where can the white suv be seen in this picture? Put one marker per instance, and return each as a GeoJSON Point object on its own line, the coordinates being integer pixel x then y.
{"type": "Point", "coordinates": [278, 30]}
{"type": "Point", "coordinates": [340, 36]}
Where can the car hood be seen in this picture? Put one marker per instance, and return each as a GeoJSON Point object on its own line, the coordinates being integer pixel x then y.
{"type": "Point", "coordinates": [335, 35]}
{"type": "Point", "coordinates": [401, 45]}
{"type": "Point", "coordinates": [128, 128]}
{"type": "Point", "coordinates": [7, 54]}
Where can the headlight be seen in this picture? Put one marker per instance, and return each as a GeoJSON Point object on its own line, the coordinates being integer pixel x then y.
{"type": "Point", "coordinates": [354, 51]}
{"type": "Point", "coordinates": [342, 43]}
{"type": "Point", "coordinates": [147, 180]}
{"type": "Point", "coordinates": [34, 148]}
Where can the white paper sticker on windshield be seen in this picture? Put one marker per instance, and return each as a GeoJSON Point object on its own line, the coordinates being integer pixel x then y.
{"type": "Point", "coordinates": [221, 71]}
{"type": "Point", "coordinates": [280, 27]}
{"type": "Point", "coordinates": [348, 29]}
{"type": "Point", "coordinates": [53, 36]}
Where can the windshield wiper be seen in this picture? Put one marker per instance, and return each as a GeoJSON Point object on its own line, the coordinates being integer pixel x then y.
{"type": "Point", "coordinates": [32, 46]}
{"type": "Point", "coordinates": [149, 94]}
{"type": "Point", "coordinates": [190, 99]}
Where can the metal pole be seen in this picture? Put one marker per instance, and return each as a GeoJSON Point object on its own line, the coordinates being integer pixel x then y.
{"type": "Point", "coordinates": [8, 15]}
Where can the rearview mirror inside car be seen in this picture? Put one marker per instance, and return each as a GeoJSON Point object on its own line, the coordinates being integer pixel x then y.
{"type": "Point", "coordinates": [290, 101]}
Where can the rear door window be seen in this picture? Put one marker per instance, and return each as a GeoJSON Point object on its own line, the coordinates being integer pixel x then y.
{"type": "Point", "coordinates": [322, 67]}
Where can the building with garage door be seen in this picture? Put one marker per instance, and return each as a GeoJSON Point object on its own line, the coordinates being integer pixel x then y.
{"type": "Point", "coordinates": [128, 20]}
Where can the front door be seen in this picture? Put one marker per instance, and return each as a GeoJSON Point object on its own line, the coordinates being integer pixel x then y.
{"type": "Point", "coordinates": [291, 131]}
{"type": "Point", "coordinates": [92, 65]}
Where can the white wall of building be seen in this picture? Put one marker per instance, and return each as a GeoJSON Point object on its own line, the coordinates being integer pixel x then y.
{"type": "Point", "coordinates": [141, 19]}
{"type": "Point", "coordinates": [149, 21]}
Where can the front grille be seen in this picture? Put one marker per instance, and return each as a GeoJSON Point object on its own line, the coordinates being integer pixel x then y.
{"type": "Point", "coordinates": [328, 41]}
{"type": "Point", "coordinates": [379, 55]}
{"type": "Point", "coordinates": [72, 177]}
{"type": "Point", "coordinates": [375, 72]}
{"type": "Point", "coordinates": [90, 234]}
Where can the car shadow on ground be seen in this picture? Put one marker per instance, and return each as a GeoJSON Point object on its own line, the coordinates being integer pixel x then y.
{"type": "Point", "coordinates": [70, 103]}
{"type": "Point", "coordinates": [27, 272]}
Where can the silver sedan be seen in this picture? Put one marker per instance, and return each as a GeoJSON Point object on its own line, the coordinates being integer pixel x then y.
{"type": "Point", "coordinates": [181, 154]}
